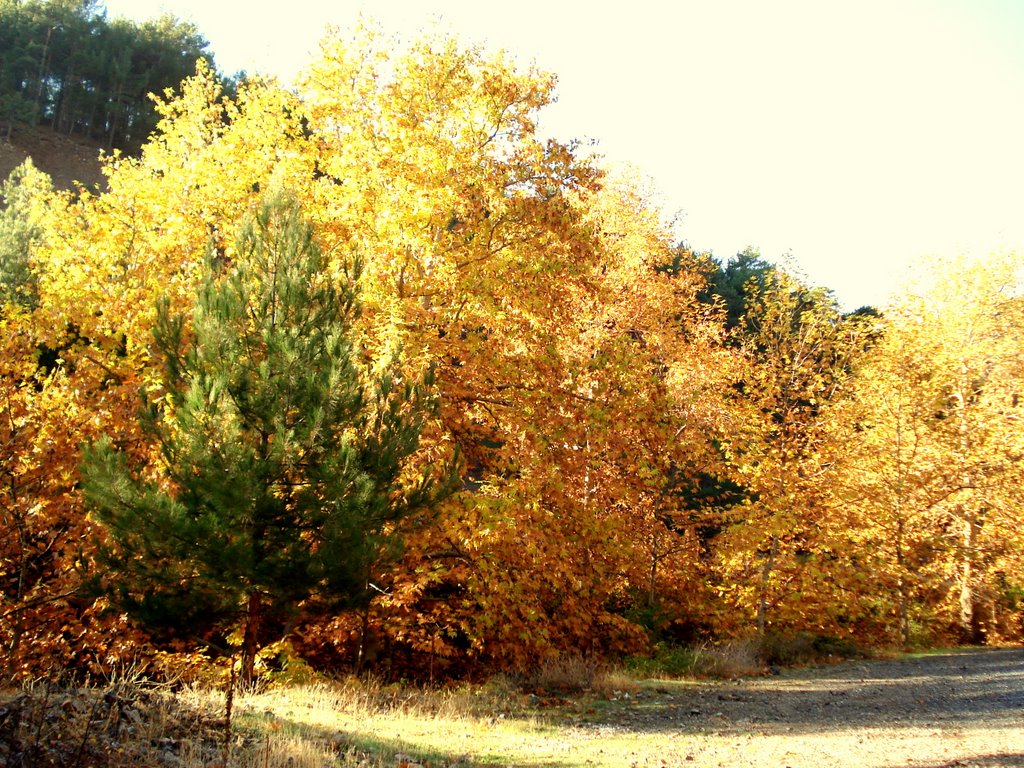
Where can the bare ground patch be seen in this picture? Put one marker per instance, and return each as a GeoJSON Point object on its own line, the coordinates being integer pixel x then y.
{"type": "Point", "coordinates": [943, 710]}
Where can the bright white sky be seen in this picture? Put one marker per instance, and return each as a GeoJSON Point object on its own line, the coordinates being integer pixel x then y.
{"type": "Point", "coordinates": [856, 136]}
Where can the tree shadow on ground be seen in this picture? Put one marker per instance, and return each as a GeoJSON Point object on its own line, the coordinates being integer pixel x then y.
{"type": "Point", "coordinates": [370, 749]}
{"type": "Point", "coordinates": [926, 692]}
{"type": "Point", "coordinates": [980, 761]}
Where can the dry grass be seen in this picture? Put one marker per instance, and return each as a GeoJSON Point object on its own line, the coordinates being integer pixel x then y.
{"type": "Point", "coordinates": [119, 723]}
{"type": "Point", "coordinates": [346, 723]}
{"type": "Point", "coordinates": [574, 675]}
{"type": "Point", "coordinates": [364, 724]}
{"type": "Point", "coordinates": [350, 723]}
{"type": "Point", "coordinates": [730, 660]}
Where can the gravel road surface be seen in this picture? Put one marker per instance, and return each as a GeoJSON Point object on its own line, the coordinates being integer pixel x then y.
{"type": "Point", "coordinates": [958, 709]}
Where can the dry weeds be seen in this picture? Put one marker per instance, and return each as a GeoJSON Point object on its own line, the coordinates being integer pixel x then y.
{"type": "Point", "coordinates": [932, 713]}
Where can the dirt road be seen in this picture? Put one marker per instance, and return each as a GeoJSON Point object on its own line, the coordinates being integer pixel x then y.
{"type": "Point", "coordinates": [946, 710]}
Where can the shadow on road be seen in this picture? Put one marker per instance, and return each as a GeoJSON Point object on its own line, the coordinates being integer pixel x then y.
{"type": "Point", "coordinates": [979, 761]}
{"type": "Point", "coordinates": [943, 691]}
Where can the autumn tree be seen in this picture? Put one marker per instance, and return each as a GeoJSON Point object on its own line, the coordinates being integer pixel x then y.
{"type": "Point", "coordinates": [78, 355]}
{"type": "Point", "coordinates": [477, 256]}
{"type": "Point", "coordinates": [890, 484]}
{"type": "Point", "coordinates": [34, 531]}
{"type": "Point", "coordinates": [570, 369]}
{"type": "Point", "coordinates": [799, 350]}
{"type": "Point", "coordinates": [931, 471]}
{"type": "Point", "coordinates": [285, 465]}
{"type": "Point", "coordinates": [585, 382]}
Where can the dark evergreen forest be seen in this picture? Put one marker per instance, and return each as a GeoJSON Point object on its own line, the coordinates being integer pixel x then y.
{"type": "Point", "coordinates": [64, 64]}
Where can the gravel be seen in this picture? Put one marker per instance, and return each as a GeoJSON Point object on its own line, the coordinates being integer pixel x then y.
{"type": "Point", "coordinates": [958, 709]}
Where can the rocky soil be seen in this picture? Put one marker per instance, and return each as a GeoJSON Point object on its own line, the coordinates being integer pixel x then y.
{"type": "Point", "coordinates": [68, 160]}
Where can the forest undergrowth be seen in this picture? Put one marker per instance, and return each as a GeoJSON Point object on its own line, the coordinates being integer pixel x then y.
{"type": "Point", "coordinates": [130, 720]}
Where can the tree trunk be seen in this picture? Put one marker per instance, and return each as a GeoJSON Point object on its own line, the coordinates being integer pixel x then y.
{"type": "Point", "coordinates": [969, 624]}
{"type": "Point", "coordinates": [766, 575]}
{"type": "Point", "coordinates": [250, 640]}
{"type": "Point", "coordinates": [364, 639]}
{"type": "Point", "coordinates": [18, 619]}
{"type": "Point", "coordinates": [902, 590]}
{"type": "Point", "coordinates": [904, 618]}
{"type": "Point", "coordinates": [652, 579]}
{"type": "Point", "coordinates": [970, 620]}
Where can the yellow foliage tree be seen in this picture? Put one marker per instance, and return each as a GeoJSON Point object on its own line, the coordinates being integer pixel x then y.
{"type": "Point", "coordinates": [932, 470]}
{"type": "Point", "coordinates": [572, 370]}
{"type": "Point", "coordinates": [774, 553]}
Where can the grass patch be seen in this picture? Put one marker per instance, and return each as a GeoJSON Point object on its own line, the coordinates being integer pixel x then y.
{"type": "Point", "coordinates": [574, 676]}
{"type": "Point", "coordinates": [958, 650]}
{"type": "Point", "coordinates": [741, 658]}
{"type": "Point", "coordinates": [729, 660]}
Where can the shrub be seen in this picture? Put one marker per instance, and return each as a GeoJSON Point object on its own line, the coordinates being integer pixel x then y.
{"type": "Point", "coordinates": [733, 659]}
{"type": "Point", "coordinates": [793, 649]}
{"type": "Point", "coordinates": [562, 674]}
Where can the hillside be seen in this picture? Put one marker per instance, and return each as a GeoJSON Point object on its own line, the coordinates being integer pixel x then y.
{"type": "Point", "coordinates": [68, 160]}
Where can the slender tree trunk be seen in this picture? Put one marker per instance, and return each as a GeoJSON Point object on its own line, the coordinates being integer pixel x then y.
{"type": "Point", "coordinates": [904, 615]}
{"type": "Point", "coordinates": [766, 576]}
{"type": "Point", "coordinates": [970, 626]}
{"type": "Point", "coordinates": [250, 639]}
{"type": "Point", "coordinates": [903, 608]}
{"type": "Point", "coordinates": [115, 111]}
{"type": "Point", "coordinates": [363, 653]}
{"type": "Point", "coordinates": [902, 588]}
{"type": "Point", "coordinates": [18, 619]}
{"type": "Point", "coordinates": [653, 575]}
{"type": "Point", "coordinates": [364, 639]}
{"type": "Point", "coordinates": [38, 111]}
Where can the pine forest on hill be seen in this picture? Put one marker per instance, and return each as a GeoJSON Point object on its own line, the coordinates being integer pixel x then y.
{"type": "Point", "coordinates": [65, 65]}
{"type": "Point", "coordinates": [368, 373]}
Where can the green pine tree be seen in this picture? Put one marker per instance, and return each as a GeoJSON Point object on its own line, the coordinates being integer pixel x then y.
{"type": "Point", "coordinates": [285, 461]}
